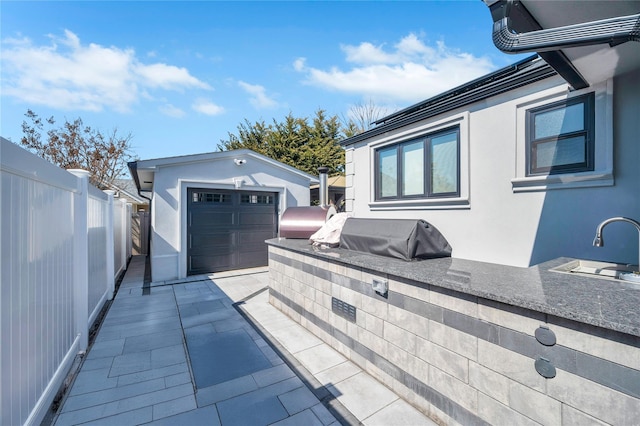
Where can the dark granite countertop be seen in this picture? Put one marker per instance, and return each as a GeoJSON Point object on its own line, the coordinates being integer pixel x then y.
{"type": "Point", "coordinates": [613, 305]}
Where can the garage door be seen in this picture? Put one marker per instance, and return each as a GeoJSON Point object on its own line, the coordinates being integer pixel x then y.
{"type": "Point", "coordinates": [227, 229]}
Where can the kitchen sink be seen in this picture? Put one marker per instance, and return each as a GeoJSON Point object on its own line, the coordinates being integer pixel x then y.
{"type": "Point", "coordinates": [595, 269]}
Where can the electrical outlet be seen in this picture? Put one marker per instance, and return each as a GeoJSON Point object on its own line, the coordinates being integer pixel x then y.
{"type": "Point", "coordinates": [380, 286]}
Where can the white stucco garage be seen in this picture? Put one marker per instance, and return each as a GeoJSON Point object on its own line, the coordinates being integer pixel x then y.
{"type": "Point", "coordinates": [212, 212]}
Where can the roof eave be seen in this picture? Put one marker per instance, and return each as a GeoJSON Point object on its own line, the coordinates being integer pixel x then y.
{"type": "Point", "coordinates": [503, 80]}
{"type": "Point", "coordinates": [153, 164]}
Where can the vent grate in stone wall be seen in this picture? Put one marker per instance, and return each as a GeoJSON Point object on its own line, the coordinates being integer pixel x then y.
{"type": "Point", "coordinates": [343, 309]}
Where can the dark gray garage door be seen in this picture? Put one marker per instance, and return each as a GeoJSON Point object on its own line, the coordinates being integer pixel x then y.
{"type": "Point", "coordinates": [226, 229]}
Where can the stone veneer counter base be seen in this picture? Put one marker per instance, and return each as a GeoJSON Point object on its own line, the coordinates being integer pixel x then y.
{"type": "Point", "coordinates": [469, 342]}
{"type": "Point", "coordinates": [599, 302]}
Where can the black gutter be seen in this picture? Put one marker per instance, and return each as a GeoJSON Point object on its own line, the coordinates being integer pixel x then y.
{"type": "Point", "coordinates": [133, 169]}
{"type": "Point", "coordinates": [504, 80]}
{"type": "Point", "coordinates": [523, 21]}
{"type": "Point", "coordinates": [612, 31]}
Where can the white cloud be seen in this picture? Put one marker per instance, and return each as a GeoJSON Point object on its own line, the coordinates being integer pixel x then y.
{"type": "Point", "coordinates": [207, 107]}
{"type": "Point", "coordinates": [259, 98]}
{"type": "Point", "coordinates": [168, 77]}
{"type": "Point", "coordinates": [171, 111]}
{"type": "Point", "coordinates": [300, 64]}
{"type": "Point", "coordinates": [69, 75]}
{"type": "Point", "coordinates": [410, 71]}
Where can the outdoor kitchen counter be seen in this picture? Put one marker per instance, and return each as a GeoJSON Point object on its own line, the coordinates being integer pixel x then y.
{"type": "Point", "coordinates": [613, 305]}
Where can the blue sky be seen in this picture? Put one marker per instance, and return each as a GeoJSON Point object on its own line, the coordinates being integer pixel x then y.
{"type": "Point", "coordinates": [179, 76]}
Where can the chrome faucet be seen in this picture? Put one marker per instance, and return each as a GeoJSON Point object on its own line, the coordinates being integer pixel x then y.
{"type": "Point", "coordinates": [598, 241]}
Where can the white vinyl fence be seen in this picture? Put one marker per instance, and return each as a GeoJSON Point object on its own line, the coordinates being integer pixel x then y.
{"type": "Point", "coordinates": [63, 242]}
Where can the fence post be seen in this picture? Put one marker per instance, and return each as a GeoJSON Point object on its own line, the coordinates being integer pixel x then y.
{"type": "Point", "coordinates": [123, 234]}
{"type": "Point", "coordinates": [81, 257]}
{"type": "Point", "coordinates": [128, 238]}
{"type": "Point", "coordinates": [110, 245]}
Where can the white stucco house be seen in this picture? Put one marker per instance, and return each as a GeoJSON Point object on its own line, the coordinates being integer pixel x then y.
{"type": "Point", "coordinates": [520, 166]}
{"type": "Point", "coordinates": [212, 212]}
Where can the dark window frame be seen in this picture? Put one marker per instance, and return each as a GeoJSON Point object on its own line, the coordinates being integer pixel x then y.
{"type": "Point", "coordinates": [257, 199]}
{"type": "Point", "coordinates": [427, 192]}
{"type": "Point", "coordinates": [588, 132]}
{"type": "Point", "coordinates": [210, 197]}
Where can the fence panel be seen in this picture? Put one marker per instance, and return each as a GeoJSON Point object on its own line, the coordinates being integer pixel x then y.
{"type": "Point", "coordinates": [97, 221]}
{"type": "Point", "coordinates": [36, 295]}
{"type": "Point", "coordinates": [47, 299]}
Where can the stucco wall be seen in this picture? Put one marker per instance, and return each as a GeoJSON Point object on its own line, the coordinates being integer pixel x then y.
{"type": "Point", "coordinates": [168, 240]}
{"type": "Point", "coordinates": [498, 224]}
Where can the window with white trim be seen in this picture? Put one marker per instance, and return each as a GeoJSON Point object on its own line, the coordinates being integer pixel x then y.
{"type": "Point", "coordinates": [424, 167]}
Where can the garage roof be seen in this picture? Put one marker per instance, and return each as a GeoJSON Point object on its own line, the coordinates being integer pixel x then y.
{"type": "Point", "coordinates": [143, 171]}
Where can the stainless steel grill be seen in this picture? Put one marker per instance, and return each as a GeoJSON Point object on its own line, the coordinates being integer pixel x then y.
{"type": "Point", "coordinates": [302, 222]}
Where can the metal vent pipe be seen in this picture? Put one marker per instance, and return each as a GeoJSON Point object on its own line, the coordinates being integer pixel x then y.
{"type": "Point", "coordinates": [323, 190]}
{"type": "Point", "coordinates": [613, 31]}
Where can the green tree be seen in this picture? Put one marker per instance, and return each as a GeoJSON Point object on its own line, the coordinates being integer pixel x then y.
{"type": "Point", "coordinates": [76, 146]}
{"type": "Point", "coordinates": [299, 142]}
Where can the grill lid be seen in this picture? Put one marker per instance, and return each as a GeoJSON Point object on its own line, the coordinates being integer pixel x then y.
{"type": "Point", "coordinates": [302, 222]}
{"type": "Point", "coordinates": [401, 238]}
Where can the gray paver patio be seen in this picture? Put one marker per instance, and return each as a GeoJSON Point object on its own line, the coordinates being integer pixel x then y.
{"type": "Point", "coordinates": [181, 353]}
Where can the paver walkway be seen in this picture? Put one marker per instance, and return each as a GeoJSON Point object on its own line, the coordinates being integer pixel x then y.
{"type": "Point", "coordinates": [213, 351]}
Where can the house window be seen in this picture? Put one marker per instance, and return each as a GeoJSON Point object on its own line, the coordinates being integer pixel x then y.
{"type": "Point", "coordinates": [560, 137]}
{"type": "Point", "coordinates": [427, 167]}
